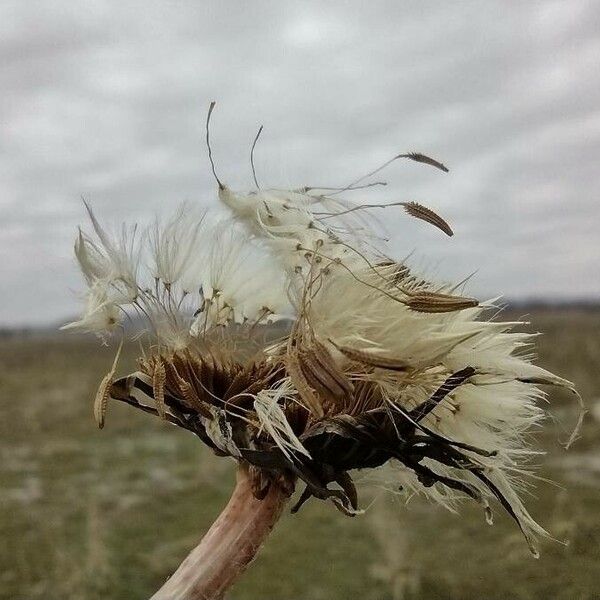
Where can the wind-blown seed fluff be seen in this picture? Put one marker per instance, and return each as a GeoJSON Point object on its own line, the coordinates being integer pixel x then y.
{"type": "Point", "coordinates": [374, 366]}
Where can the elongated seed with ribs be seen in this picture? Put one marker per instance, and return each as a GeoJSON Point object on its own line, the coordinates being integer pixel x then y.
{"type": "Point", "coordinates": [327, 363]}
{"type": "Point", "coordinates": [455, 380]}
{"type": "Point", "coordinates": [373, 360]}
{"type": "Point", "coordinates": [317, 377]}
{"type": "Point", "coordinates": [422, 158]}
{"type": "Point", "coordinates": [352, 384]}
{"type": "Point", "coordinates": [306, 392]}
{"type": "Point", "coordinates": [432, 302]}
{"type": "Point", "coordinates": [418, 211]}
{"type": "Point", "coordinates": [158, 386]}
{"type": "Point", "coordinates": [101, 399]}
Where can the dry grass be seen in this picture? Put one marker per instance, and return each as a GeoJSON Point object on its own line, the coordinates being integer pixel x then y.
{"type": "Point", "coordinates": [91, 514]}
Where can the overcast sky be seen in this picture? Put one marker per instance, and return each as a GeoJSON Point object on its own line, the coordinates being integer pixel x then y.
{"type": "Point", "coordinates": [108, 100]}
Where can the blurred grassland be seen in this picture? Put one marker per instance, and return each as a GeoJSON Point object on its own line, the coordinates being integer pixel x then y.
{"type": "Point", "coordinates": [89, 514]}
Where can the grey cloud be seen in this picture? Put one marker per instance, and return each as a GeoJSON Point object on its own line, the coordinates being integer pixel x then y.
{"type": "Point", "coordinates": [108, 100]}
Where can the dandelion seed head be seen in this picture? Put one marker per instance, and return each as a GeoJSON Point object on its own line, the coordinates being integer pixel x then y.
{"type": "Point", "coordinates": [377, 366]}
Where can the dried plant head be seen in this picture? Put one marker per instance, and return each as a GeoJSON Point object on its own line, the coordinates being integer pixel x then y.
{"type": "Point", "coordinates": [284, 336]}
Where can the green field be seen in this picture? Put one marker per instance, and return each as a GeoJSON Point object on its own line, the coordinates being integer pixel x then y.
{"type": "Point", "coordinates": [108, 514]}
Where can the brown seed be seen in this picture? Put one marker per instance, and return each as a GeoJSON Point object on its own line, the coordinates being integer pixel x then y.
{"type": "Point", "coordinates": [101, 399]}
{"type": "Point", "coordinates": [292, 365]}
{"type": "Point", "coordinates": [414, 209]}
{"type": "Point", "coordinates": [368, 358]}
{"type": "Point", "coordinates": [331, 394]}
{"type": "Point", "coordinates": [431, 302]}
{"type": "Point", "coordinates": [422, 158]}
{"type": "Point", "coordinates": [184, 389]}
{"type": "Point", "coordinates": [158, 388]}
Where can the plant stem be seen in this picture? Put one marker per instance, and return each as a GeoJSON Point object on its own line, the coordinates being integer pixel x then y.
{"type": "Point", "coordinates": [229, 546]}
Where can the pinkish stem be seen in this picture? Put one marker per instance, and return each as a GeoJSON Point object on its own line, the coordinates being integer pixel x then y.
{"type": "Point", "coordinates": [228, 547]}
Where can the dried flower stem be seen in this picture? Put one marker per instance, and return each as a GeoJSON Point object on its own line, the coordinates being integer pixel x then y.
{"type": "Point", "coordinates": [229, 546]}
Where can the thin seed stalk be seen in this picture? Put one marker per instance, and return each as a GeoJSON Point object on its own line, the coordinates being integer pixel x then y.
{"type": "Point", "coordinates": [229, 546]}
